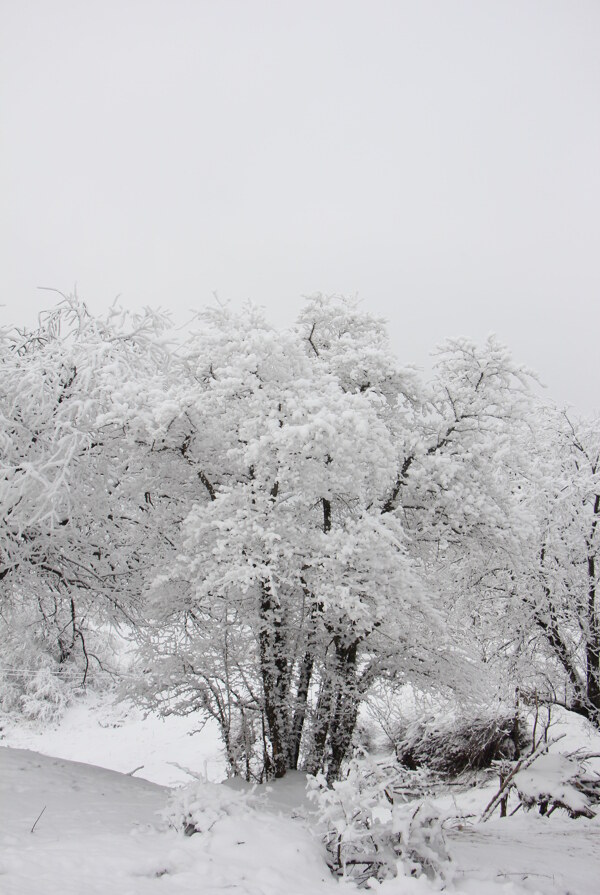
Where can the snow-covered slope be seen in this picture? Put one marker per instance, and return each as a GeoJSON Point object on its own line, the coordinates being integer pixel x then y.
{"type": "Point", "coordinates": [104, 832]}
{"type": "Point", "coordinates": [101, 832]}
{"type": "Point", "coordinates": [100, 730]}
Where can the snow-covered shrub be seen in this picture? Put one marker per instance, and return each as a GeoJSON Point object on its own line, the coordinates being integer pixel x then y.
{"type": "Point", "coordinates": [369, 829]}
{"type": "Point", "coordinates": [32, 682]}
{"type": "Point", "coordinates": [46, 695]}
{"type": "Point", "coordinates": [423, 847]}
{"type": "Point", "coordinates": [451, 745]}
{"type": "Point", "coordinates": [548, 781]}
{"type": "Point", "coordinates": [196, 808]}
{"type": "Point", "coordinates": [35, 681]}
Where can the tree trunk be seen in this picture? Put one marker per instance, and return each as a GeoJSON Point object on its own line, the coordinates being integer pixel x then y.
{"type": "Point", "coordinates": [275, 677]}
{"type": "Point", "coordinates": [301, 702]}
{"type": "Point", "coordinates": [304, 680]}
{"type": "Point", "coordinates": [548, 622]}
{"type": "Point", "coordinates": [321, 723]}
{"type": "Point", "coordinates": [593, 646]}
{"type": "Point", "coordinates": [345, 713]}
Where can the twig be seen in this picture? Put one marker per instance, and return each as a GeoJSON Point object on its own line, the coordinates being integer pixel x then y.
{"type": "Point", "coordinates": [131, 773]}
{"type": "Point", "coordinates": [195, 774]}
{"type": "Point", "coordinates": [37, 818]}
{"type": "Point", "coordinates": [578, 755]}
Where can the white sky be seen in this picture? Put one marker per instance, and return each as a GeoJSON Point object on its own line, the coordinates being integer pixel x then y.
{"type": "Point", "coordinates": [440, 159]}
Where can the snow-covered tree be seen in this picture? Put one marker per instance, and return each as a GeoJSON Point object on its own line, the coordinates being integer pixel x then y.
{"type": "Point", "coordinates": [559, 589]}
{"type": "Point", "coordinates": [288, 518]}
{"type": "Point", "coordinates": [527, 591]}
{"type": "Point", "coordinates": [75, 500]}
{"type": "Point", "coordinates": [329, 483]}
{"type": "Point", "coordinates": [288, 563]}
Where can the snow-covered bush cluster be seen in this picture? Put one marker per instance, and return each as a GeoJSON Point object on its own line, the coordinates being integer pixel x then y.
{"type": "Point", "coordinates": [32, 679]}
{"type": "Point", "coordinates": [370, 829]}
{"type": "Point", "coordinates": [34, 687]}
{"type": "Point", "coordinates": [559, 781]}
{"type": "Point", "coordinates": [549, 780]}
{"type": "Point", "coordinates": [37, 680]}
{"type": "Point", "coordinates": [451, 744]}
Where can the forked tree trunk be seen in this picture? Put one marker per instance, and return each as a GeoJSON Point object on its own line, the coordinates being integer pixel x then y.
{"type": "Point", "coordinates": [337, 712]}
{"type": "Point", "coordinates": [321, 723]}
{"type": "Point", "coordinates": [304, 681]}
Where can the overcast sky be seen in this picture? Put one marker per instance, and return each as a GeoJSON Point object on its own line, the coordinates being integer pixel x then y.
{"type": "Point", "coordinates": [440, 159]}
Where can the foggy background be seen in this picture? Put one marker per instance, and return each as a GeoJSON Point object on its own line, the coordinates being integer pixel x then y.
{"type": "Point", "coordinates": [439, 159]}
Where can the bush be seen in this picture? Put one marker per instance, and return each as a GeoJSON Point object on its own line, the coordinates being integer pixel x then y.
{"type": "Point", "coordinates": [450, 746]}
{"type": "Point", "coordinates": [197, 807]}
{"type": "Point", "coordinates": [32, 682]}
{"type": "Point", "coordinates": [549, 781]}
{"type": "Point", "coordinates": [369, 830]}
{"type": "Point", "coordinates": [35, 681]}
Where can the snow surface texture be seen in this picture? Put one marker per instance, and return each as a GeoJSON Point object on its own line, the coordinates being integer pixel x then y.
{"type": "Point", "coordinates": [105, 832]}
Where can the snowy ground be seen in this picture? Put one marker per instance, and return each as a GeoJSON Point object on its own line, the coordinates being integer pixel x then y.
{"type": "Point", "coordinates": [116, 735]}
{"type": "Point", "coordinates": [554, 856]}
{"type": "Point", "coordinates": [103, 832]}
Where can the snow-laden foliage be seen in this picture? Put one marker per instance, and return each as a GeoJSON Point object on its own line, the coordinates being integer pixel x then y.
{"type": "Point", "coordinates": [560, 592]}
{"type": "Point", "coordinates": [532, 605]}
{"type": "Point", "coordinates": [369, 828]}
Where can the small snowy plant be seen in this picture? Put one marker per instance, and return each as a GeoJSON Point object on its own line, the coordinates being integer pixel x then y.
{"type": "Point", "coordinates": [196, 808]}
{"type": "Point", "coordinates": [369, 829]}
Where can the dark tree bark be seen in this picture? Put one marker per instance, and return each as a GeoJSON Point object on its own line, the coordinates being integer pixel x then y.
{"type": "Point", "coordinates": [345, 711]}
{"type": "Point", "coordinates": [306, 669]}
{"type": "Point", "coordinates": [275, 677]}
{"type": "Point", "coordinates": [593, 636]}
{"type": "Point", "coordinates": [321, 722]}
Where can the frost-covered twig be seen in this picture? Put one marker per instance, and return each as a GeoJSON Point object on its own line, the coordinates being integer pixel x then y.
{"type": "Point", "coordinates": [195, 774]}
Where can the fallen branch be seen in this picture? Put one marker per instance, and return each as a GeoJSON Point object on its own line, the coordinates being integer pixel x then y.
{"type": "Point", "coordinates": [521, 765]}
